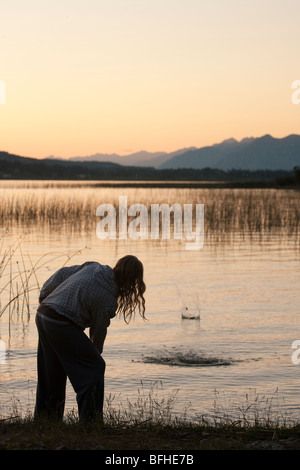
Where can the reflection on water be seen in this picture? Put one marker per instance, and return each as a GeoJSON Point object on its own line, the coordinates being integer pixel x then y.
{"type": "Point", "coordinates": [243, 285]}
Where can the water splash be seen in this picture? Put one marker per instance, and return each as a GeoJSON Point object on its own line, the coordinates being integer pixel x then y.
{"type": "Point", "coordinates": [186, 359]}
{"type": "Point", "coordinates": [186, 314]}
{"type": "Point", "coordinates": [189, 306]}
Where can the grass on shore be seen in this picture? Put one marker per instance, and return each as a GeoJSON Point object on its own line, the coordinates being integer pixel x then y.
{"type": "Point", "coordinates": [149, 423]}
{"type": "Point", "coordinates": [27, 434]}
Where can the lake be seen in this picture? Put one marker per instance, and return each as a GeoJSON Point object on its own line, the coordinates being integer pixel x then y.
{"type": "Point", "coordinates": [236, 359]}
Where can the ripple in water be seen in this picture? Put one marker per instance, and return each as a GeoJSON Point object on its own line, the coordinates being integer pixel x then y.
{"type": "Point", "coordinates": [187, 359]}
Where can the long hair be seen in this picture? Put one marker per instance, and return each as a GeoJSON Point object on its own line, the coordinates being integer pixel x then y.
{"type": "Point", "coordinates": [129, 273]}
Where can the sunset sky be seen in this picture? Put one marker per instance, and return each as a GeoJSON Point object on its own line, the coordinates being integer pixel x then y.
{"type": "Point", "coordinates": [120, 76]}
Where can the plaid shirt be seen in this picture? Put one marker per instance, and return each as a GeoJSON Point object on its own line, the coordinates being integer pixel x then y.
{"type": "Point", "coordinates": [86, 294]}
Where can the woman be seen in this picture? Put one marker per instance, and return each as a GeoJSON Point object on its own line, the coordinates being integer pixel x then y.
{"type": "Point", "coordinates": [75, 298]}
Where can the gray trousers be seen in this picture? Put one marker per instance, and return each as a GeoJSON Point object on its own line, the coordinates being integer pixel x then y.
{"type": "Point", "coordinates": [64, 350]}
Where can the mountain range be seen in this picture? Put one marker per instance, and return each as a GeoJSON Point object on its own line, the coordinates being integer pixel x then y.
{"type": "Point", "coordinates": [142, 159]}
{"type": "Point", "coordinates": [261, 153]}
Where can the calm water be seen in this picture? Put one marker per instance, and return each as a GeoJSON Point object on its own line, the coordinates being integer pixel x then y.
{"type": "Point", "coordinates": [248, 295]}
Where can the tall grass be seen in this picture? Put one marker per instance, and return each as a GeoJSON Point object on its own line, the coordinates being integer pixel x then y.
{"type": "Point", "coordinates": [154, 407]}
{"type": "Point", "coordinates": [72, 206]}
{"type": "Point", "coordinates": [255, 410]}
{"type": "Point", "coordinates": [19, 276]}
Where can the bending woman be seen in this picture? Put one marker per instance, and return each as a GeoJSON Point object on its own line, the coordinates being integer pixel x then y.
{"type": "Point", "coordinates": [72, 299]}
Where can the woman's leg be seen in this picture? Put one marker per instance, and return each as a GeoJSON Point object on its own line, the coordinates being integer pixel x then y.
{"type": "Point", "coordinates": [90, 397]}
{"type": "Point", "coordinates": [51, 387]}
{"type": "Point", "coordinates": [82, 363]}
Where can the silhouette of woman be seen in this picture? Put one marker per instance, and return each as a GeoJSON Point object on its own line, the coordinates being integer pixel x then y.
{"type": "Point", "coordinates": [72, 299]}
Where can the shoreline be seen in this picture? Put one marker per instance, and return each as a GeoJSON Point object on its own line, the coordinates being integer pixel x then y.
{"type": "Point", "coordinates": [175, 184]}
{"type": "Point", "coordinates": [47, 435]}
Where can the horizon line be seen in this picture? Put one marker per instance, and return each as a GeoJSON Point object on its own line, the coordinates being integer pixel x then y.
{"type": "Point", "coordinates": [155, 151]}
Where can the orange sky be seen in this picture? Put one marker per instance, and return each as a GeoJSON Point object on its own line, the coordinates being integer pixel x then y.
{"type": "Point", "coordinates": [120, 76]}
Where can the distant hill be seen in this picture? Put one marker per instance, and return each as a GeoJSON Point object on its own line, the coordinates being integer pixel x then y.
{"type": "Point", "coordinates": [17, 167]}
{"type": "Point", "coordinates": [251, 159]}
{"type": "Point", "coordinates": [136, 159]}
{"type": "Point", "coordinates": [263, 153]}
{"type": "Point", "coordinates": [141, 159]}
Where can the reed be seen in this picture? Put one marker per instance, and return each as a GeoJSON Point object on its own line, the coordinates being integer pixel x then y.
{"type": "Point", "coordinates": [71, 206]}
{"type": "Point", "coordinates": [19, 276]}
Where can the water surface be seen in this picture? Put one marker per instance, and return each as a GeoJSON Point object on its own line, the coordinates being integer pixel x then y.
{"type": "Point", "coordinates": [246, 289]}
